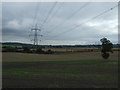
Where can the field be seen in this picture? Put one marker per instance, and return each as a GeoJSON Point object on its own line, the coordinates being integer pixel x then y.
{"type": "Point", "coordinates": [63, 70]}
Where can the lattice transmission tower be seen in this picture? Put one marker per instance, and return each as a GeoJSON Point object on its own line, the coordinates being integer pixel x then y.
{"type": "Point", "coordinates": [35, 35]}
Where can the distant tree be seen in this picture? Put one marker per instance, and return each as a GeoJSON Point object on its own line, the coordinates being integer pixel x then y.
{"type": "Point", "coordinates": [39, 50]}
{"type": "Point", "coordinates": [10, 49]}
{"type": "Point", "coordinates": [49, 51]}
{"type": "Point", "coordinates": [106, 47]}
{"type": "Point", "coordinates": [26, 49]}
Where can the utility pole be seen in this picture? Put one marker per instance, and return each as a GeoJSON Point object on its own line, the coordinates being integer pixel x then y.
{"type": "Point", "coordinates": [36, 34]}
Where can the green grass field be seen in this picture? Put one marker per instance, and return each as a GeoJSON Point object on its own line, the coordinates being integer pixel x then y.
{"type": "Point", "coordinates": [60, 71]}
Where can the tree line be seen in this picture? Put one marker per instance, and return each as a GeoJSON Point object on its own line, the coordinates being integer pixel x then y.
{"type": "Point", "coordinates": [26, 49]}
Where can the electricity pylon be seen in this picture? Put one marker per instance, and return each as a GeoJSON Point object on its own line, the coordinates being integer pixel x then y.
{"type": "Point", "coordinates": [36, 34]}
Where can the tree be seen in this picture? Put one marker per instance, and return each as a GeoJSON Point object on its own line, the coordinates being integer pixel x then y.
{"type": "Point", "coordinates": [106, 47]}
{"type": "Point", "coordinates": [49, 51]}
{"type": "Point", "coordinates": [39, 50]}
{"type": "Point", "coordinates": [26, 49]}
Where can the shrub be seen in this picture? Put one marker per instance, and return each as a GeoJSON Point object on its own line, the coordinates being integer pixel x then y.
{"type": "Point", "coordinates": [49, 51]}
{"type": "Point", "coordinates": [39, 50]}
{"type": "Point", "coordinates": [26, 50]}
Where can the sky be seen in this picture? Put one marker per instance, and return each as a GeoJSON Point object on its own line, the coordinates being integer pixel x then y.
{"type": "Point", "coordinates": [61, 23]}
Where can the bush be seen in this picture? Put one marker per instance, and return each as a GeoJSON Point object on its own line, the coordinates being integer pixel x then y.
{"type": "Point", "coordinates": [49, 51]}
{"type": "Point", "coordinates": [26, 50]}
{"type": "Point", "coordinates": [105, 55]}
{"type": "Point", "coordinates": [39, 50]}
{"type": "Point", "coordinates": [10, 49]}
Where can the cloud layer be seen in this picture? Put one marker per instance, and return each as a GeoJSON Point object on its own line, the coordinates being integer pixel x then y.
{"type": "Point", "coordinates": [18, 19]}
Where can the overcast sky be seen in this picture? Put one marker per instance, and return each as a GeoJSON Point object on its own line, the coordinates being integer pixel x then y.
{"type": "Point", "coordinates": [58, 21]}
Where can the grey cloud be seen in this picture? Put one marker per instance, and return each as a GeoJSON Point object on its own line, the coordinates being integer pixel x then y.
{"type": "Point", "coordinates": [22, 14]}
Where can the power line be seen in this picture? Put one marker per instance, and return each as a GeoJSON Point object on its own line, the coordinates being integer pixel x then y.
{"type": "Point", "coordinates": [36, 13]}
{"type": "Point", "coordinates": [49, 13]}
{"type": "Point", "coordinates": [57, 10]}
{"type": "Point", "coordinates": [33, 23]}
{"type": "Point", "coordinates": [86, 21]}
{"type": "Point", "coordinates": [35, 35]}
{"type": "Point", "coordinates": [73, 14]}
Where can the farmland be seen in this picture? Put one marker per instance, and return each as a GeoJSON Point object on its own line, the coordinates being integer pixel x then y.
{"type": "Point", "coordinates": [59, 44]}
{"type": "Point", "coordinates": [62, 70]}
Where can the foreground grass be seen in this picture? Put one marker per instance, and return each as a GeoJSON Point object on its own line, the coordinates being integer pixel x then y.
{"type": "Point", "coordinates": [61, 74]}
